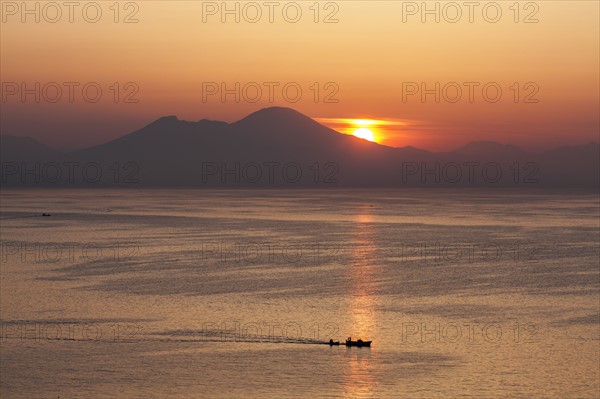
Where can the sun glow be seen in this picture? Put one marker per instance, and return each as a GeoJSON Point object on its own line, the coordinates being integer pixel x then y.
{"type": "Point", "coordinates": [364, 133]}
{"type": "Point", "coordinates": [381, 131]}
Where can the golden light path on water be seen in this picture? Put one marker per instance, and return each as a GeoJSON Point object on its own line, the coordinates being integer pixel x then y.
{"type": "Point", "coordinates": [360, 378]}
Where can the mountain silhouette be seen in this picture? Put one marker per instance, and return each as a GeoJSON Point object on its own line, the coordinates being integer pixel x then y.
{"type": "Point", "coordinates": [280, 147]}
{"type": "Point", "coordinates": [270, 133]}
{"type": "Point", "coordinates": [489, 150]}
{"type": "Point", "coordinates": [18, 149]}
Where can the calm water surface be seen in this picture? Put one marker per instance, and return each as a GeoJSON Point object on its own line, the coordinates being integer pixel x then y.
{"type": "Point", "coordinates": [208, 294]}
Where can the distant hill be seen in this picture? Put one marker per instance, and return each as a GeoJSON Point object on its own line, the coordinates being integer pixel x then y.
{"type": "Point", "coordinates": [14, 148]}
{"type": "Point", "coordinates": [280, 147]}
{"type": "Point", "coordinates": [486, 150]}
{"type": "Point", "coordinates": [572, 166]}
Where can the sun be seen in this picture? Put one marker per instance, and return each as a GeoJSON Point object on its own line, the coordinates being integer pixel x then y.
{"type": "Point", "coordinates": [364, 133]}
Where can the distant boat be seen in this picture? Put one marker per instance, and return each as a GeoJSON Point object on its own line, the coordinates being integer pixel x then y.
{"type": "Point", "coordinates": [45, 214]}
{"type": "Point", "coordinates": [332, 342]}
{"type": "Point", "coordinates": [358, 342]}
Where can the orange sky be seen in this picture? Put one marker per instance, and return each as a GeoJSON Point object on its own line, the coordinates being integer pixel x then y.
{"type": "Point", "coordinates": [364, 63]}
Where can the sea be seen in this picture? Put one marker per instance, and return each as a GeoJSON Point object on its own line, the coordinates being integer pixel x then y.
{"type": "Point", "coordinates": [194, 293]}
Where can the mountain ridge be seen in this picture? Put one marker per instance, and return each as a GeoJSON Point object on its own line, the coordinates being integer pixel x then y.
{"type": "Point", "coordinates": [171, 151]}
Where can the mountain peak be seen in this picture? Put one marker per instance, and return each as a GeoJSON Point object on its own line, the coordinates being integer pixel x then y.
{"type": "Point", "coordinates": [168, 118]}
{"type": "Point", "coordinates": [275, 115]}
{"type": "Point", "coordinates": [277, 111]}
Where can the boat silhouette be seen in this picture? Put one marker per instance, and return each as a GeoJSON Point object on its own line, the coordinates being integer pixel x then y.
{"type": "Point", "coordinates": [358, 342]}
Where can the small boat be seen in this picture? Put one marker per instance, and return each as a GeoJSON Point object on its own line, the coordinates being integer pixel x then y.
{"type": "Point", "coordinates": [45, 214]}
{"type": "Point", "coordinates": [333, 343]}
{"type": "Point", "coordinates": [358, 342]}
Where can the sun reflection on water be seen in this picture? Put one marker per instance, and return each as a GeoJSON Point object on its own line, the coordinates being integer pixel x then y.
{"type": "Point", "coordinates": [360, 377]}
